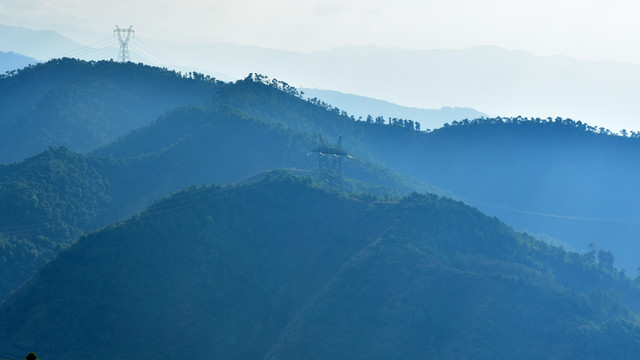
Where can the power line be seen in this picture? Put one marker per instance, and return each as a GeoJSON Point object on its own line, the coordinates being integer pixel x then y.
{"type": "Point", "coordinates": [628, 219]}
{"type": "Point", "coordinates": [149, 51]}
{"type": "Point", "coordinates": [87, 49]}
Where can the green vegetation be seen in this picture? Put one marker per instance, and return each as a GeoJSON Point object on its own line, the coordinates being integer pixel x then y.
{"type": "Point", "coordinates": [280, 269]}
{"type": "Point", "coordinates": [82, 105]}
{"type": "Point", "coordinates": [49, 200]}
{"type": "Point", "coordinates": [556, 176]}
{"type": "Point", "coordinates": [288, 263]}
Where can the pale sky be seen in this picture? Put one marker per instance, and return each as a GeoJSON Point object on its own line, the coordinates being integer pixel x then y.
{"type": "Point", "coordinates": [583, 29]}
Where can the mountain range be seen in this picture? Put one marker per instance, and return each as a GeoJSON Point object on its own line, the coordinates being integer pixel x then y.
{"type": "Point", "coordinates": [145, 211]}
{"type": "Point", "coordinates": [11, 61]}
{"type": "Point", "coordinates": [362, 107]}
{"type": "Point", "coordinates": [49, 199]}
{"type": "Point", "coordinates": [38, 44]}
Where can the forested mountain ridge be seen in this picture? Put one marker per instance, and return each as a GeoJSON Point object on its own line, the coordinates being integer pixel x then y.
{"type": "Point", "coordinates": [555, 176]}
{"type": "Point", "coordinates": [47, 202]}
{"type": "Point", "coordinates": [83, 105]}
{"type": "Point", "coordinates": [281, 269]}
{"type": "Point", "coordinates": [577, 210]}
{"type": "Point", "coordinates": [523, 155]}
{"type": "Point", "coordinates": [54, 197]}
{"type": "Point", "coordinates": [558, 176]}
{"type": "Point", "coordinates": [226, 145]}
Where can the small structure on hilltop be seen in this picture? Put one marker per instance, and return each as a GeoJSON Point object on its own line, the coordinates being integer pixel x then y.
{"type": "Point", "coordinates": [330, 159]}
{"type": "Point", "coordinates": [124, 35]}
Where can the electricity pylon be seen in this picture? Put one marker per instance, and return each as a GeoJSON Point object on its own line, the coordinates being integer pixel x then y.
{"type": "Point", "coordinates": [123, 36]}
{"type": "Point", "coordinates": [330, 162]}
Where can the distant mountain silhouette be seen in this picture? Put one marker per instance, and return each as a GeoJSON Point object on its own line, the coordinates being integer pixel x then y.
{"type": "Point", "coordinates": [361, 106]}
{"type": "Point", "coordinates": [39, 44]}
{"type": "Point", "coordinates": [12, 61]}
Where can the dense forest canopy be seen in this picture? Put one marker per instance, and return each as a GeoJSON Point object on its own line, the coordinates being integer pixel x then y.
{"type": "Point", "coordinates": [268, 263]}
{"type": "Point", "coordinates": [82, 105]}
{"type": "Point", "coordinates": [54, 197]}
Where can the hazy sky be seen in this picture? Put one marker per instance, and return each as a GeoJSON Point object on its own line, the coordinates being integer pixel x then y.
{"type": "Point", "coordinates": [584, 29]}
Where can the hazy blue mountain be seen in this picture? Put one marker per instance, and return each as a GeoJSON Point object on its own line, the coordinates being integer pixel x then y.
{"type": "Point", "coordinates": [90, 45]}
{"type": "Point", "coordinates": [360, 106]}
{"type": "Point", "coordinates": [565, 181]}
{"type": "Point", "coordinates": [519, 177]}
{"type": "Point", "coordinates": [559, 177]}
{"type": "Point", "coordinates": [251, 270]}
{"type": "Point", "coordinates": [491, 80]}
{"type": "Point", "coordinates": [523, 167]}
{"type": "Point", "coordinates": [280, 269]}
{"type": "Point", "coordinates": [83, 105]}
{"type": "Point", "coordinates": [52, 198]}
{"type": "Point", "coordinates": [48, 200]}
{"type": "Point", "coordinates": [12, 61]}
{"type": "Point", "coordinates": [196, 146]}
{"type": "Point", "coordinates": [38, 44]}
{"type": "Point", "coordinates": [80, 34]}
{"type": "Point", "coordinates": [531, 174]}
{"type": "Point", "coordinates": [562, 178]}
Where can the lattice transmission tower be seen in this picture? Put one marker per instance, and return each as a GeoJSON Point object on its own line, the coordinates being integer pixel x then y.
{"type": "Point", "coordinates": [330, 162]}
{"type": "Point", "coordinates": [124, 35]}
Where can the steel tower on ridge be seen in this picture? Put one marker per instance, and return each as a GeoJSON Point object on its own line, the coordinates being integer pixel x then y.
{"type": "Point", "coordinates": [124, 35]}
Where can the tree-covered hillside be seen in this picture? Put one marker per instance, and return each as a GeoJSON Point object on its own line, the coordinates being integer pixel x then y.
{"type": "Point", "coordinates": [83, 105]}
{"type": "Point", "coordinates": [284, 267]}
{"type": "Point", "coordinates": [223, 145]}
{"type": "Point", "coordinates": [52, 198]}
{"type": "Point", "coordinates": [281, 269]}
{"type": "Point", "coordinates": [46, 202]}
{"type": "Point", "coordinates": [553, 176]}
{"type": "Point", "coordinates": [558, 177]}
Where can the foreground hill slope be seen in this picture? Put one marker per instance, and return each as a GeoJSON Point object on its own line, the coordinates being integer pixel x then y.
{"type": "Point", "coordinates": [83, 105]}
{"type": "Point", "coordinates": [280, 269]}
